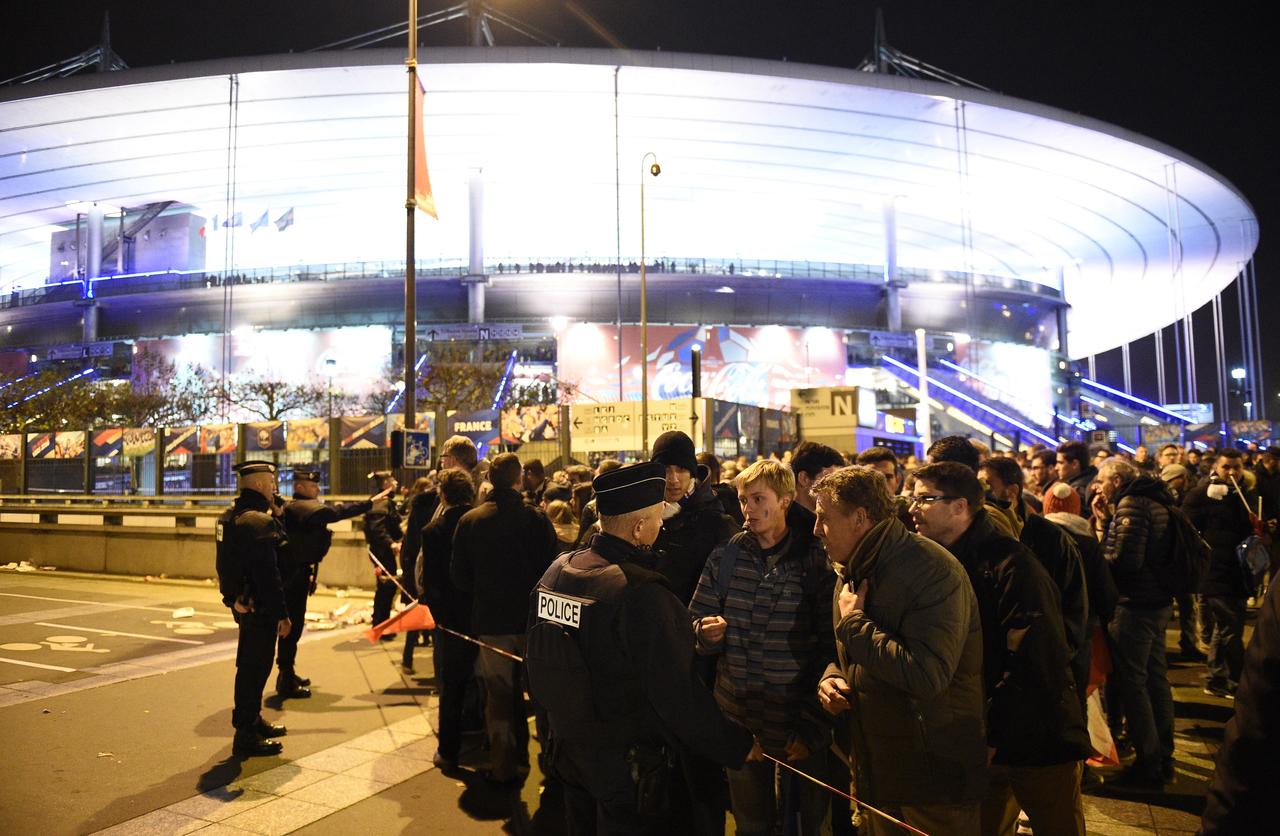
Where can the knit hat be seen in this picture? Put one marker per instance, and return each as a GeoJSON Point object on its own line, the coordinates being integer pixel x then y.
{"type": "Point", "coordinates": [1171, 472]}
{"type": "Point", "coordinates": [1061, 497]}
{"type": "Point", "coordinates": [675, 448]}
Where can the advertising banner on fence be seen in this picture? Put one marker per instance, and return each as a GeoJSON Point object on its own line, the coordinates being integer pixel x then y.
{"type": "Point", "coordinates": [180, 441]}
{"type": "Point", "coordinates": [365, 432]}
{"type": "Point", "coordinates": [264, 436]}
{"type": "Point", "coordinates": [1153, 437]}
{"type": "Point", "coordinates": [64, 445]}
{"type": "Point", "coordinates": [307, 434]}
{"type": "Point", "coordinates": [107, 444]}
{"type": "Point", "coordinates": [1258, 432]}
{"type": "Point", "coordinates": [139, 441]}
{"type": "Point", "coordinates": [1206, 435]}
{"type": "Point", "coordinates": [218, 438]}
{"type": "Point", "coordinates": [523, 424]}
{"type": "Point", "coordinates": [10, 446]}
{"type": "Point", "coordinates": [480, 426]}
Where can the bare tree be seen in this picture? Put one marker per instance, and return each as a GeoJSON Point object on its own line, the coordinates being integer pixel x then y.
{"type": "Point", "coordinates": [272, 400]}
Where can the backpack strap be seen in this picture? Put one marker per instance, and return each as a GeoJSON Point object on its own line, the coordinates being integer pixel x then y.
{"type": "Point", "coordinates": [728, 560]}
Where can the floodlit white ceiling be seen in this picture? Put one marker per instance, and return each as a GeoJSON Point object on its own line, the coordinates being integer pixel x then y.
{"type": "Point", "coordinates": [760, 160]}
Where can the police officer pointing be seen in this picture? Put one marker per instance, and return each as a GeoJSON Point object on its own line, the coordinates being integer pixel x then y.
{"type": "Point", "coordinates": [306, 523]}
{"type": "Point", "coordinates": [610, 658]}
{"type": "Point", "coordinates": [249, 536]}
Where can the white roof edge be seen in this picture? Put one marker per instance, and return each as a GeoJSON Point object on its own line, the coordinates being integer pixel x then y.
{"type": "Point", "coordinates": [600, 57]}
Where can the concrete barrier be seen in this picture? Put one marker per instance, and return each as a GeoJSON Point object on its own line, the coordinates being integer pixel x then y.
{"type": "Point", "coordinates": [155, 545]}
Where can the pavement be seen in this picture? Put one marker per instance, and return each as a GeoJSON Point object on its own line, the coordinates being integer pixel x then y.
{"type": "Point", "coordinates": [116, 719]}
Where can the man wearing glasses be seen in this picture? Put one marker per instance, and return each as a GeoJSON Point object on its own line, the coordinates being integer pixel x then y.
{"type": "Point", "coordinates": [1035, 725]}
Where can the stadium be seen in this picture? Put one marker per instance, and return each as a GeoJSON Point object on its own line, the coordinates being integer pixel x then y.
{"type": "Point", "coordinates": [808, 222]}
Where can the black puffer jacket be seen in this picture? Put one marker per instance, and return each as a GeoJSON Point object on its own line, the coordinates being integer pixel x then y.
{"type": "Point", "coordinates": [1034, 716]}
{"type": "Point", "coordinates": [1060, 557]}
{"type": "Point", "coordinates": [687, 539]}
{"type": "Point", "coordinates": [1223, 523]}
{"type": "Point", "coordinates": [1138, 543]}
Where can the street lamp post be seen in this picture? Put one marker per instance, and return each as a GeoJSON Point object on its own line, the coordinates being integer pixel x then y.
{"type": "Point", "coordinates": [655, 170]}
{"type": "Point", "coordinates": [329, 365]}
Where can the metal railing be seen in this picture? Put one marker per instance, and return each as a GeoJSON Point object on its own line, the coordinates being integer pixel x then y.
{"type": "Point", "coordinates": [134, 283]}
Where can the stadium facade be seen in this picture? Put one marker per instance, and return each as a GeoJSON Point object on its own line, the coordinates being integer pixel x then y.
{"type": "Point", "coordinates": [823, 215]}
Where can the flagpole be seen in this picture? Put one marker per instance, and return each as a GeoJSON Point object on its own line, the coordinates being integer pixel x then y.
{"type": "Point", "coordinates": [410, 204]}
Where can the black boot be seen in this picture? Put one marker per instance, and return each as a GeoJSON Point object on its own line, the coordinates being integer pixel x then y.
{"type": "Point", "coordinates": [288, 686]}
{"type": "Point", "coordinates": [301, 680]}
{"type": "Point", "coordinates": [266, 729]}
{"type": "Point", "coordinates": [248, 743]}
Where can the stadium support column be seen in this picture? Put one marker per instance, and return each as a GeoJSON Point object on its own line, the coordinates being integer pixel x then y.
{"type": "Point", "coordinates": [476, 280]}
{"type": "Point", "coordinates": [924, 422]}
{"type": "Point", "coordinates": [93, 269]}
{"type": "Point", "coordinates": [892, 284]}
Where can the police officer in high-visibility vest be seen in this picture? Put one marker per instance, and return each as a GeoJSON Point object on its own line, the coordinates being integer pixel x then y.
{"type": "Point", "coordinates": [610, 656]}
{"type": "Point", "coordinates": [249, 536]}
{"type": "Point", "coordinates": [306, 523]}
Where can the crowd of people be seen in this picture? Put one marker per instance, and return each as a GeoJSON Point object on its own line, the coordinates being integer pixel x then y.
{"type": "Point", "coordinates": [930, 636]}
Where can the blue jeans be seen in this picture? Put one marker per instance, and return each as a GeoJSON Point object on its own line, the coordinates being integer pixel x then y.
{"type": "Point", "coordinates": [1138, 637]}
{"type": "Point", "coordinates": [1225, 619]}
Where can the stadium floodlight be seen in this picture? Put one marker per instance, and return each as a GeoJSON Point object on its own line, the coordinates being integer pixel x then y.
{"type": "Point", "coordinates": [1238, 373]}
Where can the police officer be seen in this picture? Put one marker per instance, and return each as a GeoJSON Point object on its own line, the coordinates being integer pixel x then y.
{"type": "Point", "coordinates": [249, 536]}
{"type": "Point", "coordinates": [383, 533]}
{"type": "Point", "coordinates": [610, 658]}
{"type": "Point", "coordinates": [306, 523]}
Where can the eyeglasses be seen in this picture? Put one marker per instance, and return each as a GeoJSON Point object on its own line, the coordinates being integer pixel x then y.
{"type": "Point", "coordinates": [926, 501]}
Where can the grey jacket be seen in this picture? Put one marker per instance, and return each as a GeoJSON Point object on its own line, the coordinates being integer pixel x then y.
{"type": "Point", "coordinates": [913, 659]}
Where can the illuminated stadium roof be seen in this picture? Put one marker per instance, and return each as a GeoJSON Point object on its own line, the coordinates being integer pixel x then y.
{"type": "Point", "coordinates": [760, 160]}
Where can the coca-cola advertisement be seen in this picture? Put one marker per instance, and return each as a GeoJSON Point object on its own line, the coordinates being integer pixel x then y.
{"type": "Point", "coordinates": [746, 365]}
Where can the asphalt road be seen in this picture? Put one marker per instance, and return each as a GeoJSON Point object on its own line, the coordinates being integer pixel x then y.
{"type": "Point", "coordinates": [111, 709]}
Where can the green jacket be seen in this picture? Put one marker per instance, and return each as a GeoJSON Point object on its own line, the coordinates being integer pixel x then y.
{"type": "Point", "coordinates": [912, 656]}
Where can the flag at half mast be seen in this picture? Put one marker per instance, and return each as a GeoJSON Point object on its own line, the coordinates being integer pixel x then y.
{"type": "Point", "coordinates": [421, 179]}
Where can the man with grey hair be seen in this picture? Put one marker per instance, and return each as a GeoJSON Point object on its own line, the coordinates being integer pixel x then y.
{"type": "Point", "coordinates": [909, 648]}
{"type": "Point", "coordinates": [1133, 509]}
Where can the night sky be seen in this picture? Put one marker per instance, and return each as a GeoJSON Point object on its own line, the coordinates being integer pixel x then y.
{"type": "Point", "coordinates": [1193, 75]}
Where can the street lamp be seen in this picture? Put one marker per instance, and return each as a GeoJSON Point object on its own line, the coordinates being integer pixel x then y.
{"type": "Point", "coordinates": [1238, 373]}
{"type": "Point", "coordinates": [329, 365]}
{"type": "Point", "coordinates": [655, 170]}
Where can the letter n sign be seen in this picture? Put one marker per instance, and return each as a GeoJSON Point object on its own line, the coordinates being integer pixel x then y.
{"type": "Point", "coordinates": [842, 404]}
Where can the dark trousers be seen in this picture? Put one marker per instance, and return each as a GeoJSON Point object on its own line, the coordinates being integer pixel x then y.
{"type": "Point", "coordinates": [255, 650]}
{"type": "Point", "coordinates": [295, 603]}
{"type": "Point", "coordinates": [386, 590]}
{"type": "Point", "coordinates": [1186, 622]}
{"type": "Point", "coordinates": [587, 817]}
{"type": "Point", "coordinates": [1225, 617]}
{"type": "Point", "coordinates": [455, 666]}
{"type": "Point", "coordinates": [1142, 673]}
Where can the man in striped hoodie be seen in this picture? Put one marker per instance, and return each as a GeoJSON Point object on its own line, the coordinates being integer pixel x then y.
{"type": "Point", "coordinates": [763, 606]}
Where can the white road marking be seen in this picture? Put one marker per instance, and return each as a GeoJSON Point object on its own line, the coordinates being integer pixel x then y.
{"type": "Point", "coordinates": [38, 665]}
{"type": "Point", "coordinates": [117, 633]}
{"type": "Point", "coordinates": [104, 604]}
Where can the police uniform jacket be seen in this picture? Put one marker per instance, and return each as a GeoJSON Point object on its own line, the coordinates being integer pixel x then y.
{"type": "Point", "coordinates": [248, 536]}
{"type": "Point", "coordinates": [382, 528]}
{"type": "Point", "coordinates": [636, 681]}
{"type": "Point", "coordinates": [306, 522]}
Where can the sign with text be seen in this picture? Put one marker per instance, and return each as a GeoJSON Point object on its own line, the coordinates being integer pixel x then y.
{"type": "Point", "coordinates": [616, 426]}
{"type": "Point", "coordinates": [475, 331]}
{"type": "Point", "coordinates": [826, 408]}
{"type": "Point", "coordinates": [481, 426]}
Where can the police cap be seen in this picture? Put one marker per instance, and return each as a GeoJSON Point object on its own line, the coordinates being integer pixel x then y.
{"type": "Point", "coordinates": [306, 474]}
{"type": "Point", "coordinates": [255, 466]}
{"type": "Point", "coordinates": [629, 488]}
